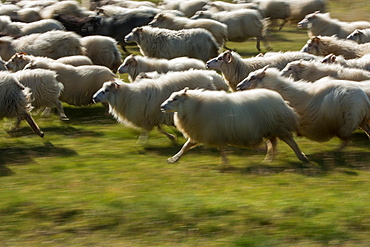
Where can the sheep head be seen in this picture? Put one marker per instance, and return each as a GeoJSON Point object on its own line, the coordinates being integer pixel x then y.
{"type": "Point", "coordinates": [172, 104]}
{"type": "Point", "coordinates": [224, 58]}
{"type": "Point", "coordinates": [253, 79]}
{"type": "Point", "coordinates": [104, 94]}
{"type": "Point", "coordinates": [130, 61]}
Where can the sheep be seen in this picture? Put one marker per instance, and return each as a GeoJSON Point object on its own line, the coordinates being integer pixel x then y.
{"type": "Point", "coordinates": [76, 60]}
{"type": "Point", "coordinates": [189, 7]}
{"type": "Point", "coordinates": [234, 68]}
{"type": "Point", "coordinates": [358, 63]}
{"type": "Point", "coordinates": [45, 89]}
{"type": "Point", "coordinates": [102, 50]}
{"type": "Point", "coordinates": [327, 108]}
{"type": "Point", "coordinates": [360, 36]}
{"type": "Point", "coordinates": [29, 15]}
{"type": "Point", "coordinates": [275, 10]}
{"type": "Point", "coordinates": [321, 24]}
{"type": "Point", "coordinates": [15, 101]}
{"type": "Point", "coordinates": [138, 104]}
{"type": "Point", "coordinates": [53, 44]}
{"type": "Point", "coordinates": [22, 29]}
{"type": "Point", "coordinates": [313, 71]}
{"type": "Point", "coordinates": [80, 83]}
{"type": "Point", "coordinates": [132, 4]}
{"type": "Point", "coordinates": [116, 27]}
{"type": "Point", "coordinates": [240, 119]}
{"type": "Point", "coordinates": [216, 79]}
{"type": "Point", "coordinates": [164, 43]}
{"type": "Point", "coordinates": [218, 6]}
{"type": "Point", "coordinates": [241, 25]}
{"type": "Point", "coordinates": [299, 9]}
{"type": "Point", "coordinates": [325, 45]}
{"type": "Point", "coordinates": [64, 7]}
{"type": "Point", "coordinates": [134, 65]}
{"type": "Point", "coordinates": [170, 21]}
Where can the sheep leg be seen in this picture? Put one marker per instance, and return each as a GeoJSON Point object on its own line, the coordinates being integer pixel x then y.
{"type": "Point", "coordinates": [33, 124]}
{"type": "Point", "coordinates": [366, 127]}
{"type": "Point", "coordinates": [188, 145]}
{"type": "Point", "coordinates": [271, 149]}
{"type": "Point", "coordinates": [225, 160]}
{"type": "Point", "coordinates": [46, 112]}
{"type": "Point", "coordinates": [172, 138]}
{"type": "Point", "coordinates": [258, 44]}
{"type": "Point", "coordinates": [282, 25]}
{"type": "Point", "coordinates": [60, 109]}
{"type": "Point", "coordinates": [294, 146]}
{"type": "Point", "coordinates": [143, 138]}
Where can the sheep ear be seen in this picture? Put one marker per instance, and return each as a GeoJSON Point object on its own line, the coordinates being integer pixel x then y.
{"type": "Point", "coordinates": [264, 69]}
{"type": "Point", "coordinates": [161, 16]}
{"type": "Point", "coordinates": [315, 39]}
{"type": "Point", "coordinates": [139, 29]}
{"type": "Point", "coordinates": [227, 57]}
{"type": "Point", "coordinates": [185, 90]}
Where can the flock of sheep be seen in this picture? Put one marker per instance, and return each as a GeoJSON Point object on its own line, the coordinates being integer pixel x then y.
{"type": "Point", "coordinates": [58, 51]}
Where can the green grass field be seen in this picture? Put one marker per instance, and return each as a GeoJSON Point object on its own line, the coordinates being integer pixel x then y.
{"type": "Point", "coordinates": [88, 183]}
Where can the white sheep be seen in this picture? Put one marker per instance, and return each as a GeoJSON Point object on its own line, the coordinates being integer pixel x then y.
{"type": "Point", "coordinates": [197, 74]}
{"type": "Point", "coordinates": [240, 119]}
{"type": "Point", "coordinates": [360, 36]}
{"type": "Point", "coordinates": [170, 21]}
{"type": "Point", "coordinates": [134, 65]}
{"type": "Point", "coordinates": [80, 83]}
{"type": "Point", "coordinates": [76, 60]}
{"type": "Point", "coordinates": [327, 108]}
{"type": "Point", "coordinates": [132, 4]}
{"type": "Point", "coordinates": [313, 71]}
{"type": "Point", "coordinates": [45, 89]}
{"type": "Point", "coordinates": [321, 24]}
{"type": "Point", "coordinates": [358, 63]}
{"type": "Point", "coordinates": [29, 15]}
{"type": "Point", "coordinates": [325, 45]}
{"type": "Point", "coordinates": [69, 7]}
{"type": "Point", "coordinates": [234, 68]}
{"type": "Point", "coordinates": [188, 7]}
{"type": "Point", "coordinates": [53, 44]}
{"type": "Point", "coordinates": [218, 6]}
{"type": "Point", "coordinates": [299, 9]}
{"type": "Point", "coordinates": [138, 104]}
{"type": "Point", "coordinates": [21, 28]}
{"type": "Point", "coordinates": [102, 50]}
{"type": "Point", "coordinates": [241, 25]}
{"type": "Point", "coordinates": [275, 10]}
{"type": "Point", "coordinates": [164, 43]}
{"type": "Point", "coordinates": [15, 101]}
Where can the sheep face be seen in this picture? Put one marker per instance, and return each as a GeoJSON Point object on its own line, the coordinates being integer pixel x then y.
{"type": "Point", "coordinates": [218, 62]}
{"type": "Point", "coordinates": [312, 46]}
{"type": "Point", "coordinates": [201, 14]}
{"type": "Point", "coordinates": [356, 36]}
{"type": "Point", "coordinates": [292, 69]}
{"type": "Point", "coordinates": [307, 20]}
{"type": "Point", "coordinates": [129, 62]}
{"type": "Point", "coordinates": [105, 93]}
{"type": "Point", "coordinates": [172, 104]}
{"type": "Point", "coordinates": [160, 20]}
{"type": "Point", "coordinates": [134, 36]}
{"type": "Point", "coordinates": [331, 58]}
{"type": "Point", "coordinates": [254, 80]}
{"type": "Point", "coordinates": [17, 62]}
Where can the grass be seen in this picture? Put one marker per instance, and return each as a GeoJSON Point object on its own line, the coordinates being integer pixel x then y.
{"type": "Point", "coordinates": [88, 183]}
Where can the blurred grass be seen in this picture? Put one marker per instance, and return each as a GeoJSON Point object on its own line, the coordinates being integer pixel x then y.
{"type": "Point", "coordinates": [88, 183]}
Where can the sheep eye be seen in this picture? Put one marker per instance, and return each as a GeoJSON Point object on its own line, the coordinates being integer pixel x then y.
{"type": "Point", "coordinates": [219, 58]}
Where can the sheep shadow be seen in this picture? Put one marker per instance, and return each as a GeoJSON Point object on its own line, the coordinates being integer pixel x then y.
{"type": "Point", "coordinates": [21, 155]}
{"type": "Point", "coordinates": [89, 115]}
{"type": "Point", "coordinates": [60, 130]}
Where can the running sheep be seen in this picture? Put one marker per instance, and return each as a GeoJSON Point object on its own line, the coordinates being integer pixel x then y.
{"type": "Point", "coordinates": [134, 65]}
{"type": "Point", "coordinates": [188, 7]}
{"type": "Point", "coordinates": [313, 71]}
{"type": "Point", "coordinates": [234, 68]}
{"type": "Point", "coordinates": [170, 21]}
{"type": "Point", "coordinates": [102, 50]}
{"type": "Point", "coordinates": [321, 24]}
{"type": "Point", "coordinates": [164, 43]}
{"type": "Point", "coordinates": [360, 36]}
{"type": "Point", "coordinates": [327, 108]}
{"type": "Point", "coordinates": [53, 44]}
{"type": "Point", "coordinates": [358, 63]}
{"type": "Point", "coordinates": [138, 104]}
{"type": "Point", "coordinates": [22, 29]}
{"type": "Point", "coordinates": [240, 119]}
{"type": "Point", "coordinates": [325, 45]}
{"type": "Point", "coordinates": [299, 9]}
{"type": "Point", "coordinates": [76, 60]}
{"type": "Point", "coordinates": [15, 101]}
{"type": "Point", "coordinates": [45, 89]}
{"type": "Point", "coordinates": [241, 25]}
{"type": "Point", "coordinates": [80, 83]}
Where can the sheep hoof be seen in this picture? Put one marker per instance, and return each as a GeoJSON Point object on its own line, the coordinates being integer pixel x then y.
{"type": "Point", "coordinates": [171, 160]}
{"type": "Point", "coordinates": [64, 118]}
